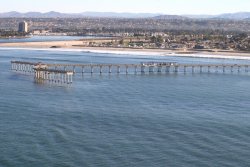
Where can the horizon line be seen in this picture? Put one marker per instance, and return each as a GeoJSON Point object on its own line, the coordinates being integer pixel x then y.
{"type": "Point", "coordinates": [42, 12]}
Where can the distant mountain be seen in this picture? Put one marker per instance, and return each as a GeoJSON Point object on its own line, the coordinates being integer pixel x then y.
{"type": "Point", "coordinates": [235, 16]}
{"type": "Point", "coordinates": [170, 17]}
{"type": "Point", "coordinates": [10, 14]}
{"type": "Point", "coordinates": [30, 14]}
{"type": "Point", "coordinates": [53, 14]}
{"type": "Point", "coordinates": [232, 16]}
{"type": "Point", "coordinates": [200, 16]}
{"type": "Point", "coordinates": [117, 15]}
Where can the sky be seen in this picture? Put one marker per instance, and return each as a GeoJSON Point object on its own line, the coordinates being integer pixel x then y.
{"type": "Point", "coordinates": [132, 6]}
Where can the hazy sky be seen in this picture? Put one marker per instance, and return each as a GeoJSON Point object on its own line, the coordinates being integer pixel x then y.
{"type": "Point", "coordinates": [136, 6]}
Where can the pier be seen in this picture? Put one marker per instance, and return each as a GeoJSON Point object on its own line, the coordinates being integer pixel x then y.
{"type": "Point", "coordinates": [22, 66]}
{"type": "Point", "coordinates": [57, 76]}
{"type": "Point", "coordinates": [64, 72]}
{"type": "Point", "coordinates": [42, 72]}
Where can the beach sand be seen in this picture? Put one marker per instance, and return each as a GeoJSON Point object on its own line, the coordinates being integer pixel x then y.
{"type": "Point", "coordinates": [78, 45]}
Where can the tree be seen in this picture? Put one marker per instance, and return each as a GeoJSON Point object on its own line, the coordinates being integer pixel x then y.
{"type": "Point", "coordinates": [153, 39]}
{"type": "Point", "coordinates": [159, 39]}
{"type": "Point", "coordinates": [121, 42]}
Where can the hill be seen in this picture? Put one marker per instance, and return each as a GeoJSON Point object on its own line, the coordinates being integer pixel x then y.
{"type": "Point", "coordinates": [170, 17]}
{"type": "Point", "coordinates": [234, 16]}
{"type": "Point", "coordinates": [54, 14]}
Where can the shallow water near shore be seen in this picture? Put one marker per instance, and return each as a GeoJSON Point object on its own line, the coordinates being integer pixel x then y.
{"type": "Point", "coordinates": [43, 38]}
{"type": "Point", "coordinates": [123, 120]}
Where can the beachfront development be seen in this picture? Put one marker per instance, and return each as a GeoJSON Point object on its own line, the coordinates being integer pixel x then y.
{"type": "Point", "coordinates": [180, 34]}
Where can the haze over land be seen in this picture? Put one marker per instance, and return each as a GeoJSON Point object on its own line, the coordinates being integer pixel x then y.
{"type": "Point", "coordinates": [222, 9]}
{"type": "Point", "coordinates": [172, 7]}
{"type": "Point", "coordinates": [53, 14]}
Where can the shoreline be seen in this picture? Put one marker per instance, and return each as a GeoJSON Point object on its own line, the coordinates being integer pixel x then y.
{"type": "Point", "coordinates": [76, 45]}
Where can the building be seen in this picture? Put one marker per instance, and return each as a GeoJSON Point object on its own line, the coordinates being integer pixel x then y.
{"type": "Point", "coordinates": [23, 27]}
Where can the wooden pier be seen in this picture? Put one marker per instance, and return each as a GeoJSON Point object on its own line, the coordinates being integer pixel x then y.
{"type": "Point", "coordinates": [64, 72]}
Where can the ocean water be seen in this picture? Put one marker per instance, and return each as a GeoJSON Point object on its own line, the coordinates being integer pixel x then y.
{"type": "Point", "coordinates": [151, 120]}
{"type": "Point", "coordinates": [44, 38]}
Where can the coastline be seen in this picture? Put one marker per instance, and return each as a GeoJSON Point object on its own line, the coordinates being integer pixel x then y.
{"type": "Point", "coordinates": [76, 45]}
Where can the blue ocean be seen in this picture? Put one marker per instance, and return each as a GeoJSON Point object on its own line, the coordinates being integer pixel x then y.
{"type": "Point", "coordinates": [133, 120]}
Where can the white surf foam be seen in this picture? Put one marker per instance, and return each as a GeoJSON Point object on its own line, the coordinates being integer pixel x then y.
{"type": "Point", "coordinates": [141, 53]}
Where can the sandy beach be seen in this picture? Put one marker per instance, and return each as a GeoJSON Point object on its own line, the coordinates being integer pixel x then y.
{"type": "Point", "coordinates": [78, 45]}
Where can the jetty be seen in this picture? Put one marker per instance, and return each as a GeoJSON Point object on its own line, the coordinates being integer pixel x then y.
{"type": "Point", "coordinates": [64, 72]}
